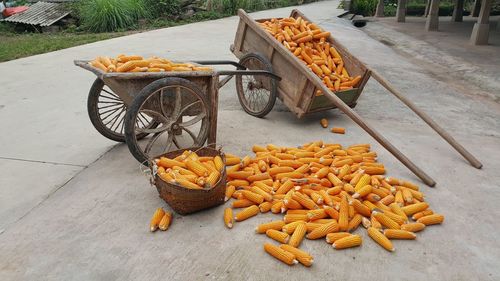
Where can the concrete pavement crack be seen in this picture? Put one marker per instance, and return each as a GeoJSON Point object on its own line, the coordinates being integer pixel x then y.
{"type": "Point", "coordinates": [2, 231]}
{"type": "Point", "coordinates": [43, 162]}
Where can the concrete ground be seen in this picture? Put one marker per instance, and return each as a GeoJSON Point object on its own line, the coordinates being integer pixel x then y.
{"type": "Point", "coordinates": [75, 206]}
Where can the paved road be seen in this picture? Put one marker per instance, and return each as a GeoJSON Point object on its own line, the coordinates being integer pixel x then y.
{"type": "Point", "coordinates": [74, 206]}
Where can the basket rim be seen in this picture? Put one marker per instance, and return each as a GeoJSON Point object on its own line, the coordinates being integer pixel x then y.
{"type": "Point", "coordinates": [195, 148]}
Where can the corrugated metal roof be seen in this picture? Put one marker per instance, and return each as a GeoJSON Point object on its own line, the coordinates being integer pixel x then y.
{"type": "Point", "coordinates": [40, 13]}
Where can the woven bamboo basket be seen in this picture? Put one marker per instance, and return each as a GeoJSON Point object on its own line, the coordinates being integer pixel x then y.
{"type": "Point", "coordinates": [185, 201]}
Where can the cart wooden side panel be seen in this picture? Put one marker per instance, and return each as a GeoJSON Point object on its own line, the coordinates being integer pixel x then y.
{"type": "Point", "coordinates": [295, 89]}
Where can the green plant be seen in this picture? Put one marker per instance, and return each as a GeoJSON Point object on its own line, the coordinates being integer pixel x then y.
{"type": "Point", "coordinates": [111, 15]}
{"type": "Point", "coordinates": [164, 8]}
{"type": "Point", "coordinates": [364, 7]}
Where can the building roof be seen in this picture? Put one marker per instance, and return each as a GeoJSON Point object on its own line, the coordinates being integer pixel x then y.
{"type": "Point", "coordinates": [40, 13]}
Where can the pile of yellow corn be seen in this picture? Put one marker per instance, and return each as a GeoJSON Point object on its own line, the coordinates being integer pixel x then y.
{"type": "Point", "coordinates": [324, 191]}
{"type": "Point", "coordinates": [124, 63]}
{"type": "Point", "coordinates": [309, 43]}
{"type": "Point", "coordinates": [190, 170]}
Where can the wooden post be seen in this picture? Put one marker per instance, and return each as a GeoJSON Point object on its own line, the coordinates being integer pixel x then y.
{"type": "Point", "coordinates": [372, 132]}
{"type": "Point", "coordinates": [476, 8]}
{"type": "Point", "coordinates": [427, 119]}
{"type": "Point", "coordinates": [379, 12]}
{"type": "Point", "coordinates": [458, 11]}
{"type": "Point", "coordinates": [480, 32]}
{"type": "Point", "coordinates": [432, 22]}
{"type": "Point", "coordinates": [427, 7]}
{"type": "Point", "coordinates": [401, 11]}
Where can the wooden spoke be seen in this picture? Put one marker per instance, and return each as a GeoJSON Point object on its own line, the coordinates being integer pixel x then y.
{"type": "Point", "coordinates": [193, 121]}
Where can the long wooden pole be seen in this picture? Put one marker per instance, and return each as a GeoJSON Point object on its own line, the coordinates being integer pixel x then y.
{"type": "Point", "coordinates": [376, 135]}
{"type": "Point", "coordinates": [427, 119]}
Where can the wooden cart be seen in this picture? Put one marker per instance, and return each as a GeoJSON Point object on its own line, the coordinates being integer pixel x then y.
{"type": "Point", "coordinates": [175, 108]}
{"type": "Point", "coordinates": [296, 89]}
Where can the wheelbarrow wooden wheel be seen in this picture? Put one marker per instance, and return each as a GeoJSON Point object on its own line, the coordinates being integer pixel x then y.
{"type": "Point", "coordinates": [107, 112]}
{"type": "Point", "coordinates": [256, 93]}
{"type": "Point", "coordinates": [178, 106]}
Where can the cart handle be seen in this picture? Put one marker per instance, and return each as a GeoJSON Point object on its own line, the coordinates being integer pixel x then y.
{"type": "Point", "coordinates": [220, 62]}
{"type": "Point", "coordinates": [249, 72]}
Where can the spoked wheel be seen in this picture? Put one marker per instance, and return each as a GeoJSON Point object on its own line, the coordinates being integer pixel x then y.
{"type": "Point", "coordinates": [257, 93]}
{"type": "Point", "coordinates": [181, 110]}
{"type": "Point", "coordinates": [107, 113]}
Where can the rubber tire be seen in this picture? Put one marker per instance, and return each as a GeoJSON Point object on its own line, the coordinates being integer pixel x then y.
{"type": "Point", "coordinates": [273, 91]}
{"type": "Point", "coordinates": [139, 100]}
{"type": "Point", "coordinates": [93, 112]}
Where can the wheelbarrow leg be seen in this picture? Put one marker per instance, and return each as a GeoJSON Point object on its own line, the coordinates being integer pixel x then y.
{"type": "Point", "coordinates": [376, 135]}
{"type": "Point", "coordinates": [427, 119]}
{"type": "Point", "coordinates": [213, 98]}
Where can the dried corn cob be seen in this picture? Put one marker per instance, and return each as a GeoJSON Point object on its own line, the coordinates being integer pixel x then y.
{"type": "Point", "coordinates": [303, 257]}
{"type": "Point", "coordinates": [156, 219]}
{"type": "Point", "coordinates": [431, 219]}
{"type": "Point", "coordinates": [247, 213]}
{"type": "Point", "coordinates": [298, 235]}
{"type": "Point", "coordinates": [380, 239]}
{"type": "Point", "coordinates": [322, 231]}
{"type": "Point", "coordinates": [277, 235]}
{"type": "Point", "coordinates": [347, 242]}
{"type": "Point", "coordinates": [265, 207]}
{"type": "Point", "coordinates": [165, 221]}
{"type": "Point", "coordinates": [385, 220]}
{"type": "Point", "coordinates": [280, 254]}
{"type": "Point", "coordinates": [229, 192]}
{"type": "Point", "coordinates": [277, 225]}
{"type": "Point", "coordinates": [332, 237]}
{"type": "Point", "coordinates": [228, 217]}
{"type": "Point", "coordinates": [413, 227]}
{"type": "Point", "coordinates": [399, 234]}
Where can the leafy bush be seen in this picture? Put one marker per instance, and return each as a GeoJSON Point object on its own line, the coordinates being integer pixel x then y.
{"type": "Point", "coordinates": [110, 15]}
{"type": "Point", "coordinates": [230, 7]}
{"type": "Point", "coordinates": [164, 8]}
{"type": "Point", "coordinates": [364, 7]}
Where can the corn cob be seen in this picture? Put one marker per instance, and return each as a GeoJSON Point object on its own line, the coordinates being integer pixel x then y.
{"type": "Point", "coordinates": [366, 222]}
{"type": "Point", "coordinates": [360, 208]}
{"type": "Point", "coordinates": [414, 208]}
{"type": "Point", "coordinates": [374, 223]}
{"type": "Point", "coordinates": [322, 231]}
{"type": "Point", "coordinates": [332, 237]}
{"type": "Point", "coordinates": [242, 203]}
{"type": "Point", "coordinates": [413, 227]}
{"type": "Point", "coordinates": [385, 220]}
{"type": "Point", "coordinates": [431, 219]}
{"type": "Point", "coordinates": [228, 217]}
{"type": "Point", "coordinates": [316, 214]}
{"type": "Point", "coordinates": [169, 163]}
{"type": "Point", "coordinates": [380, 239]}
{"type": "Point", "coordinates": [354, 222]}
{"type": "Point", "coordinates": [265, 207]}
{"type": "Point", "coordinates": [219, 164]}
{"type": "Point", "coordinates": [276, 207]}
{"type": "Point", "coordinates": [247, 213]}
{"type": "Point", "coordinates": [155, 220]}
{"type": "Point", "coordinates": [347, 242]}
{"type": "Point", "coordinates": [277, 225]}
{"type": "Point", "coordinates": [363, 181]}
{"type": "Point", "coordinates": [165, 221]}
{"type": "Point", "coordinates": [277, 235]}
{"type": "Point", "coordinates": [344, 214]}
{"type": "Point", "coordinates": [363, 191]}
{"type": "Point", "coordinates": [280, 254]}
{"type": "Point", "coordinates": [422, 214]}
{"type": "Point", "coordinates": [295, 217]}
{"type": "Point", "coordinates": [304, 201]}
{"type": "Point", "coordinates": [399, 234]}
{"type": "Point", "coordinates": [298, 235]}
{"type": "Point", "coordinates": [395, 208]}
{"type": "Point", "coordinates": [398, 219]}
{"type": "Point", "coordinates": [254, 197]}
{"type": "Point", "coordinates": [213, 178]}
{"type": "Point", "coordinates": [285, 187]}
{"type": "Point", "coordinates": [290, 228]}
{"type": "Point", "coordinates": [197, 168]}
{"type": "Point", "coordinates": [229, 192]}
{"type": "Point", "coordinates": [303, 257]}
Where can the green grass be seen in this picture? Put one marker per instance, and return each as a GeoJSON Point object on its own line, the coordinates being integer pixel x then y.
{"type": "Point", "coordinates": [16, 46]}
